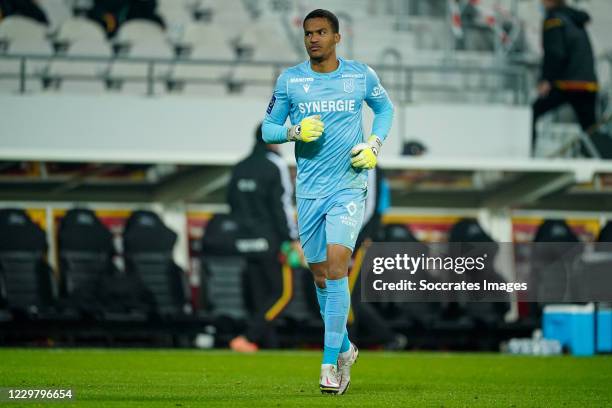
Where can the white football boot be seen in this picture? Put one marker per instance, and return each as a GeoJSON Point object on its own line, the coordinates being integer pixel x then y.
{"type": "Point", "coordinates": [329, 382]}
{"type": "Point", "coordinates": [345, 361]}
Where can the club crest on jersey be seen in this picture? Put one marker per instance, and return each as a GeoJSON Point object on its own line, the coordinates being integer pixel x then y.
{"type": "Point", "coordinates": [306, 87]}
{"type": "Point", "coordinates": [349, 85]}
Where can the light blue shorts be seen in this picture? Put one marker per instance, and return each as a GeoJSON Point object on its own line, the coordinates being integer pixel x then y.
{"type": "Point", "coordinates": [335, 219]}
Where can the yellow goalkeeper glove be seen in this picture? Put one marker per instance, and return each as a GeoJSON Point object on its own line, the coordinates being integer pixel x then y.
{"type": "Point", "coordinates": [363, 156]}
{"type": "Point", "coordinates": [309, 130]}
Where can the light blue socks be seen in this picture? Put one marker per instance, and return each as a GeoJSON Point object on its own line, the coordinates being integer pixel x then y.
{"type": "Point", "coordinates": [322, 297]}
{"type": "Point", "coordinates": [334, 303]}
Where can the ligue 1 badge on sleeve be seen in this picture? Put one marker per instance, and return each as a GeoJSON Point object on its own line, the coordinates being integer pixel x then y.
{"type": "Point", "coordinates": [349, 85]}
{"type": "Point", "coordinates": [271, 104]}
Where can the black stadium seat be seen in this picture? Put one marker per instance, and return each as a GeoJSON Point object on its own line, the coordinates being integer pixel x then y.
{"type": "Point", "coordinates": [550, 263]}
{"type": "Point", "coordinates": [223, 287]}
{"type": "Point", "coordinates": [303, 306]}
{"type": "Point", "coordinates": [27, 279]}
{"type": "Point", "coordinates": [148, 246]}
{"type": "Point", "coordinates": [488, 314]}
{"type": "Point", "coordinates": [596, 267]}
{"type": "Point", "coordinates": [407, 314]}
{"type": "Point", "coordinates": [222, 279]}
{"type": "Point", "coordinates": [4, 313]}
{"type": "Point", "coordinates": [85, 255]}
{"type": "Point", "coordinates": [605, 235]}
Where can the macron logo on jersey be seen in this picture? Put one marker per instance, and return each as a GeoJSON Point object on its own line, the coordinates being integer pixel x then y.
{"type": "Point", "coordinates": [342, 105]}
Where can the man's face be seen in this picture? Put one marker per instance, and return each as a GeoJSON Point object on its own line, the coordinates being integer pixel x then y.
{"type": "Point", "coordinates": [319, 38]}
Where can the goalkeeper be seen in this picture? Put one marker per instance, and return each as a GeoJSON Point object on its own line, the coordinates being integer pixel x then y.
{"type": "Point", "coordinates": [323, 97]}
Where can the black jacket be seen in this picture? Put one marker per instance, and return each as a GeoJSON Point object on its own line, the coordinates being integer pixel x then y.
{"type": "Point", "coordinates": [260, 192]}
{"type": "Point", "coordinates": [568, 63]}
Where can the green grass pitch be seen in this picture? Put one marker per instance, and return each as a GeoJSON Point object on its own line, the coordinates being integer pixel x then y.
{"type": "Point", "coordinates": [176, 378]}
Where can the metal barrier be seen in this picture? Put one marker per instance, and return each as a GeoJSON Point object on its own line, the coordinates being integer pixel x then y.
{"type": "Point", "coordinates": [401, 80]}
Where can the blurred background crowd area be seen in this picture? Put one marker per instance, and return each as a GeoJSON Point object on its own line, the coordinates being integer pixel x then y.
{"type": "Point", "coordinates": [424, 50]}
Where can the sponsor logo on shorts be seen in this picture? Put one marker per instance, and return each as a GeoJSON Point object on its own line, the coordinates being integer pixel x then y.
{"type": "Point", "coordinates": [351, 208]}
{"type": "Point", "coordinates": [348, 221]}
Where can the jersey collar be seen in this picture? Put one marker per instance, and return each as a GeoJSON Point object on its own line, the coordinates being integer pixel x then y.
{"type": "Point", "coordinates": [325, 74]}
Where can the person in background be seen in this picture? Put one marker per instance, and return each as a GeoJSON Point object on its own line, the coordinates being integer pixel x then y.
{"type": "Point", "coordinates": [568, 68]}
{"type": "Point", "coordinates": [25, 8]}
{"type": "Point", "coordinates": [259, 195]}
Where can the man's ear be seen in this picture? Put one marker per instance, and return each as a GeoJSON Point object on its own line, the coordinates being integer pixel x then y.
{"type": "Point", "coordinates": [338, 37]}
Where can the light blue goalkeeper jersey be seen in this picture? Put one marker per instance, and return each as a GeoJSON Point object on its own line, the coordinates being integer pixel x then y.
{"type": "Point", "coordinates": [324, 166]}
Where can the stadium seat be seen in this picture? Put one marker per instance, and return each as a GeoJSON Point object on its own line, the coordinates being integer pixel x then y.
{"type": "Point", "coordinates": [206, 39]}
{"type": "Point", "coordinates": [487, 314]}
{"type": "Point", "coordinates": [27, 278]}
{"type": "Point", "coordinates": [256, 81]}
{"type": "Point", "coordinates": [230, 14]}
{"type": "Point", "coordinates": [78, 29]}
{"type": "Point", "coordinates": [407, 314]}
{"type": "Point", "coordinates": [223, 269]}
{"type": "Point", "coordinates": [605, 235]}
{"type": "Point", "coordinates": [302, 307]}
{"type": "Point", "coordinates": [223, 287]}
{"type": "Point", "coordinates": [57, 11]}
{"type": "Point", "coordinates": [85, 256]}
{"type": "Point", "coordinates": [142, 39]}
{"type": "Point", "coordinates": [596, 268]}
{"type": "Point", "coordinates": [267, 43]}
{"type": "Point", "coordinates": [551, 264]}
{"type": "Point", "coordinates": [175, 13]}
{"type": "Point", "coordinates": [140, 31]}
{"type": "Point", "coordinates": [201, 42]}
{"type": "Point", "coordinates": [468, 230]}
{"type": "Point", "coordinates": [23, 36]}
{"type": "Point", "coordinates": [148, 246]}
{"type": "Point", "coordinates": [5, 315]}
{"type": "Point", "coordinates": [81, 75]}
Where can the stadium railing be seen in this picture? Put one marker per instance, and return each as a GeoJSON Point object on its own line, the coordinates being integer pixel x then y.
{"type": "Point", "coordinates": [401, 80]}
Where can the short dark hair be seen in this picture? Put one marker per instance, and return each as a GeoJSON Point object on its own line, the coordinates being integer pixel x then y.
{"type": "Point", "coordinates": [326, 14]}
